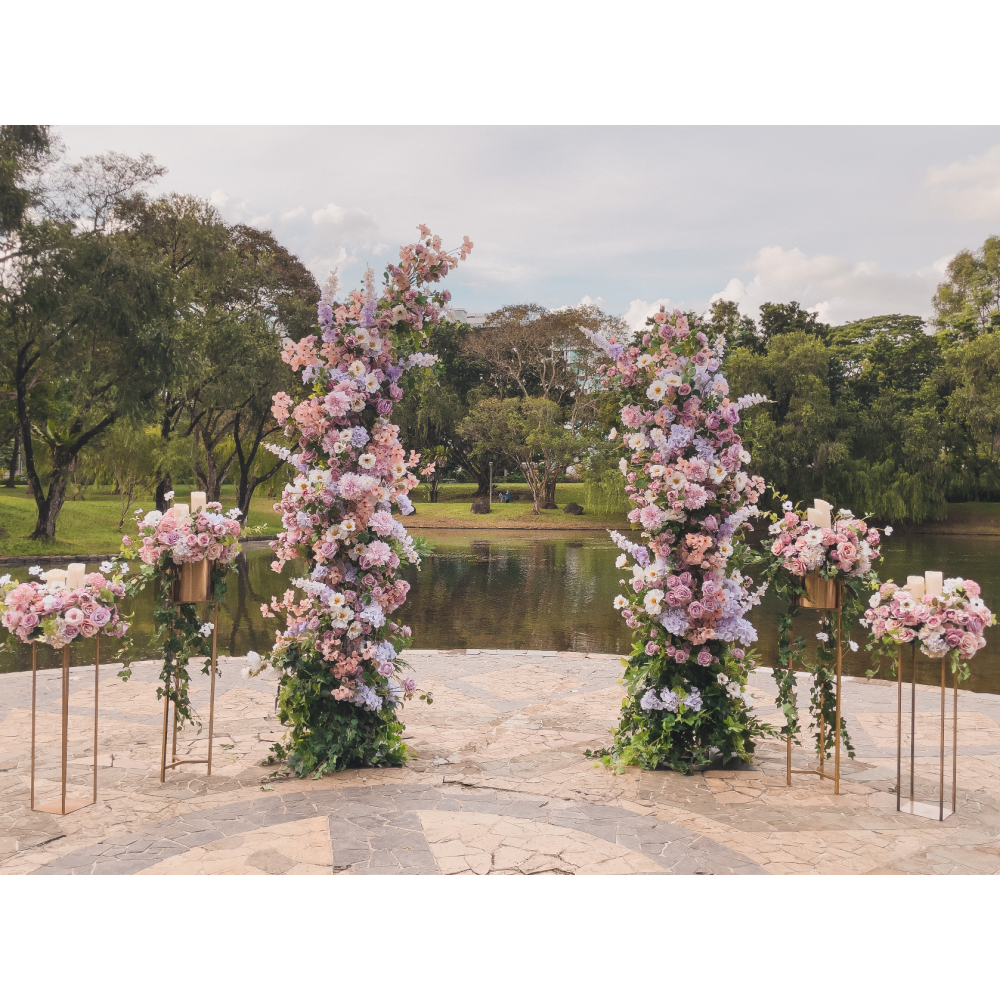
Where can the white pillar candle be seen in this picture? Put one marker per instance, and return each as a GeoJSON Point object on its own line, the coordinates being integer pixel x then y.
{"type": "Point", "coordinates": [55, 578]}
{"type": "Point", "coordinates": [933, 583]}
{"type": "Point", "coordinates": [915, 585]}
{"type": "Point", "coordinates": [197, 502]}
{"type": "Point", "coordinates": [822, 505]}
{"type": "Point", "coordinates": [180, 510]}
{"type": "Point", "coordinates": [818, 518]}
{"type": "Point", "coordinates": [75, 575]}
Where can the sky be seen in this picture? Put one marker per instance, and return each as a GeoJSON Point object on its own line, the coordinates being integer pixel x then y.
{"type": "Point", "coordinates": [850, 221]}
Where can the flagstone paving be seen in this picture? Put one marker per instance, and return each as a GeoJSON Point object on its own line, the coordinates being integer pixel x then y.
{"type": "Point", "coordinates": [497, 784]}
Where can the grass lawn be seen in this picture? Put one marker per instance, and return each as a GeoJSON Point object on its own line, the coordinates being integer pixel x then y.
{"type": "Point", "coordinates": [455, 500]}
{"type": "Point", "coordinates": [91, 525]}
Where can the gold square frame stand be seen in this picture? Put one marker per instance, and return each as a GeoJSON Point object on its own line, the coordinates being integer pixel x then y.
{"type": "Point", "coordinates": [64, 804]}
{"type": "Point", "coordinates": [911, 804]}
{"type": "Point", "coordinates": [192, 586]}
{"type": "Point", "coordinates": [823, 595]}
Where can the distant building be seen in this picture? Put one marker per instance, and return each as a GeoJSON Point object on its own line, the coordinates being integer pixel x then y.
{"type": "Point", "coordinates": [473, 319]}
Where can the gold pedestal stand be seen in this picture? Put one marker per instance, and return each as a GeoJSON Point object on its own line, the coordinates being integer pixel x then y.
{"type": "Point", "coordinates": [823, 595]}
{"type": "Point", "coordinates": [63, 805]}
{"type": "Point", "coordinates": [192, 586]}
{"type": "Point", "coordinates": [911, 805]}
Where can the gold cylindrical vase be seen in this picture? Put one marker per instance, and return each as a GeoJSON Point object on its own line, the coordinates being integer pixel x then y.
{"type": "Point", "coordinates": [193, 583]}
{"type": "Point", "coordinates": [821, 594]}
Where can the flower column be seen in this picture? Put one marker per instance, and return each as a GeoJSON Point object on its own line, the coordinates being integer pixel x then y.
{"type": "Point", "coordinates": [340, 680]}
{"type": "Point", "coordinates": [686, 678]}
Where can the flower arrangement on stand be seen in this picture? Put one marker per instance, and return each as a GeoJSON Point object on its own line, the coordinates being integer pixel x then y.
{"type": "Point", "coordinates": [342, 680]}
{"type": "Point", "coordinates": [949, 624]}
{"type": "Point", "coordinates": [164, 543]}
{"type": "Point", "coordinates": [54, 613]}
{"type": "Point", "coordinates": [809, 549]}
{"type": "Point", "coordinates": [685, 680]}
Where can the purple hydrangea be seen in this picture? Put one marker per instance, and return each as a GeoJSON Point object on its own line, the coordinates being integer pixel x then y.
{"type": "Point", "coordinates": [674, 621]}
{"type": "Point", "coordinates": [693, 700]}
{"type": "Point", "coordinates": [359, 437]}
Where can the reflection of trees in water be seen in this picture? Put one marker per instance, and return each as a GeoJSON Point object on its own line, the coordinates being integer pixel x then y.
{"type": "Point", "coordinates": [543, 594]}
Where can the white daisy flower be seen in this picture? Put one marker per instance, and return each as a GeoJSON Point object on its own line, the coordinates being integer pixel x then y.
{"type": "Point", "coordinates": [621, 560]}
{"type": "Point", "coordinates": [657, 390]}
{"type": "Point", "coordinates": [620, 602]}
{"type": "Point", "coordinates": [356, 369]}
{"type": "Point", "coordinates": [367, 461]}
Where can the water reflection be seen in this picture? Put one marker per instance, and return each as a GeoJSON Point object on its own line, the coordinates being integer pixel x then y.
{"type": "Point", "coordinates": [543, 590]}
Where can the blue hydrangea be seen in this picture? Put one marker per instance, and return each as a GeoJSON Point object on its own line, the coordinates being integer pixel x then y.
{"type": "Point", "coordinates": [680, 438]}
{"type": "Point", "coordinates": [373, 615]}
{"type": "Point", "coordinates": [650, 702]}
{"type": "Point", "coordinates": [359, 437]}
{"type": "Point", "coordinates": [693, 700]}
{"type": "Point", "coordinates": [669, 699]}
{"type": "Point", "coordinates": [674, 621]}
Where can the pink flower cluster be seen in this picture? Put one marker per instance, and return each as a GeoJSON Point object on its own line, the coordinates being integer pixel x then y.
{"type": "Point", "coordinates": [34, 612]}
{"type": "Point", "coordinates": [951, 621]}
{"type": "Point", "coordinates": [689, 492]}
{"type": "Point", "coordinates": [337, 513]}
{"type": "Point", "coordinates": [848, 548]}
{"type": "Point", "coordinates": [187, 538]}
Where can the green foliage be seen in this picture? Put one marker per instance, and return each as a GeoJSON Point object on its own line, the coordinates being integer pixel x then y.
{"type": "Point", "coordinates": [326, 734]}
{"type": "Point", "coordinates": [967, 304]}
{"type": "Point", "coordinates": [687, 739]}
{"type": "Point", "coordinates": [179, 634]}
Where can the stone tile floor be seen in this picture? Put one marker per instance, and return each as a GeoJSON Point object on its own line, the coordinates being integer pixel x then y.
{"type": "Point", "coordinates": [497, 784]}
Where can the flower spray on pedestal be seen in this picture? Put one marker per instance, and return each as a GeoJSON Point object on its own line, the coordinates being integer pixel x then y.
{"type": "Point", "coordinates": [341, 678]}
{"type": "Point", "coordinates": [185, 554]}
{"type": "Point", "coordinates": [64, 606]}
{"type": "Point", "coordinates": [685, 682]}
{"type": "Point", "coordinates": [823, 562]}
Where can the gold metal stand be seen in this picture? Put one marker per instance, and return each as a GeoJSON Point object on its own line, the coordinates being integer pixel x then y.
{"type": "Point", "coordinates": [823, 595]}
{"type": "Point", "coordinates": [63, 804]}
{"type": "Point", "coordinates": [174, 759]}
{"type": "Point", "coordinates": [911, 805]}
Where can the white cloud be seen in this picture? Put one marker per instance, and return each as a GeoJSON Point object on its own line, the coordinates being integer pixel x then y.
{"type": "Point", "coordinates": [219, 198]}
{"type": "Point", "coordinates": [836, 289]}
{"type": "Point", "coordinates": [969, 187]}
{"type": "Point", "coordinates": [260, 221]}
{"type": "Point", "coordinates": [295, 213]}
{"type": "Point", "coordinates": [346, 224]}
{"type": "Point", "coordinates": [639, 310]}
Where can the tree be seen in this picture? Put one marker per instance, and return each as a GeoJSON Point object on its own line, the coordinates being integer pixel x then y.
{"type": "Point", "coordinates": [528, 433]}
{"type": "Point", "coordinates": [437, 399]}
{"type": "Point", "coordinates": [539, 354]}
{"type": "Point", "coordinates": [972, 410]}
{"type": "Point", "coordinates": [967, 304]}
{"type": "Point", "coordinates": [77, 338]}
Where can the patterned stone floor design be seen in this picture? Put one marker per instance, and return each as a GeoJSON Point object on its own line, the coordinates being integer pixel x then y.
{"type": "Point", "coordinates": [497, 784]}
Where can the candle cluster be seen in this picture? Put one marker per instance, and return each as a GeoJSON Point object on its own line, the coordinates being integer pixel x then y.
{"type": "Point", "coordinates": [844, 544]}
{"type": "Point", "coordinates": [186, 534]}
{"type": "Point", "coordinates": [947, 617]}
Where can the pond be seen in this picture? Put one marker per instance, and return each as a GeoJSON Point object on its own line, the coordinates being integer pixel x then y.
{"type": "Point", "coordinates": [547, 590]}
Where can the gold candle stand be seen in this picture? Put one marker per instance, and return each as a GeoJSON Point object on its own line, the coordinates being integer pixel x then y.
{"type": "Point", "coordinates": [63, 805]}
{"type": "Point", "coordinates": [192, 587]}
{"type": "Point", "coordinates": [823, 595]}
{"type": "Point", "coordinates": [911, 805]}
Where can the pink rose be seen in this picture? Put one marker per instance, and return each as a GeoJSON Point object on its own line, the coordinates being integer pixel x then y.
{"type": "Point", "coordinates": [953, 637]}
{"type": "Point", "coordinates": [88, 629]}
{"type": "Point", "coordinates": [29, 620]}
{"type": "Point", "coordinates": [968, 644]}
{"type": "Point", "coordinates": [74, 616]}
